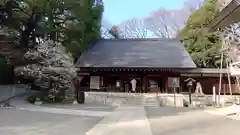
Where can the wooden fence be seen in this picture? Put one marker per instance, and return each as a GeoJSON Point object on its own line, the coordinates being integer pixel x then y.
{"type": "Point", "coordinates": [225, 89]}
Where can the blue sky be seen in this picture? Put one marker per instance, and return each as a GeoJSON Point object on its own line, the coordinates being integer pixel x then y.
{"type": "Point", "coordinates": [116, 11]}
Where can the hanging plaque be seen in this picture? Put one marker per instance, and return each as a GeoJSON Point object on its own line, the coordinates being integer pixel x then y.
{"type": "Point", "coordinates": [94, 82]}
{"type": "Point", "coordinates": [173, 82]}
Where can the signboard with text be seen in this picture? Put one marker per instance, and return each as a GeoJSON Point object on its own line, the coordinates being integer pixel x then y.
{"type": "Point", "coordinates": [94, 82]}
{"type": "Point", "coordinates": [173, 82]}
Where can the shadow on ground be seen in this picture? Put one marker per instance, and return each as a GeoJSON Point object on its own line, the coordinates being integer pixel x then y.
{"type": "Point", "coordinates": [187, 121]}
{"type": "Point", "coordinates": [153, 112]}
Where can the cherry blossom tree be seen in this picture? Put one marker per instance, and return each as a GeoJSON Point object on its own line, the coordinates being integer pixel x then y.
{"type": "Point", "coordinates": [50, 67]}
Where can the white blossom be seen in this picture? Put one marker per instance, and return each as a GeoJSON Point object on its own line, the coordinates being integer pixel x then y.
{"type": "Point", "coordinates": [50, 62]}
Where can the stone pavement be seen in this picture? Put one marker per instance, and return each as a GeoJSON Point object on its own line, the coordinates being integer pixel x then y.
{"type": "Point", "coordinates": [231, 112]}
{"type": "Point", "coordinates": [7, 91]}
{"type": "Point", "coordinates": [170, 121]}
{"type": "Point", "coordinates": [85, 119]}
{"type": "Point", "coordinates": [67, 111]}
{"type": "Point", "coordinates": [18, 122]}
{"type": "Point", "coordinates": [123, 121]}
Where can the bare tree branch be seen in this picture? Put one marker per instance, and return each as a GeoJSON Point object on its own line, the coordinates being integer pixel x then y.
{"type": "Point", "coordinates": [134, 28]}
{"type": "Point", "coordinates": [231, 42]}
{"type": "Point", "coordinates": [166, 24]}
{"type": "Point", "coordinates": [106, 26]}
{"type": "Point", "coordinates": [190, 6]}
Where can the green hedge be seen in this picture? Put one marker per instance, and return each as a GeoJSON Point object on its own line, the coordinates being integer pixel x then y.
{"type": "Point", "coordinates": [44, 98]}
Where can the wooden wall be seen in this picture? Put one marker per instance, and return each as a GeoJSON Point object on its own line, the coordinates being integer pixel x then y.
{"type": "Point", "coordinates": [208, 83]}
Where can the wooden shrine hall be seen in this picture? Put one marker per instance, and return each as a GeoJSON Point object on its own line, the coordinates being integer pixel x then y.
{"type": "Point", "coordinates": [111, 64]}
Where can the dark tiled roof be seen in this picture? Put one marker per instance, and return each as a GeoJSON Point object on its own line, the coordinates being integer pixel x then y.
{"type": "Point", "coordinates": [147, 53]}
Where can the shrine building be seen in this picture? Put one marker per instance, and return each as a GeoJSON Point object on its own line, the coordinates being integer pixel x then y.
{"type": "Point", "coordinates": [157, 65]}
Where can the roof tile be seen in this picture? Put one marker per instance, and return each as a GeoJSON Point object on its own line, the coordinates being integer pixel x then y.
{"type": "Point", "coordinates": [150, 53]}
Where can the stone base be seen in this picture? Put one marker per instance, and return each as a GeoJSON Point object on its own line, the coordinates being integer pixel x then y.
{"type": "Point", "coordinates": [38, 102]}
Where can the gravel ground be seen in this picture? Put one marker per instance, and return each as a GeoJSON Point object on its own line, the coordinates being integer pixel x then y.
{"type": "Point", "coordinates": [162, 121]}
{"type": "Point", "coordinates": [18, 122]}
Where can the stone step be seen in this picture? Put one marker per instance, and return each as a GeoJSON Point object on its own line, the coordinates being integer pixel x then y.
{"type": "Point", "coordinates": [141, 103]}
{"type": "Point", "coordinates": [128, 100]}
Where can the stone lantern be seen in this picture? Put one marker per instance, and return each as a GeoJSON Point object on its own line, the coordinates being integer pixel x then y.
{"type": "Point", "coordinates": [190, 84]}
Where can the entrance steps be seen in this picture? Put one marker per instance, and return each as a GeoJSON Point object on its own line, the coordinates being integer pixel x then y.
{"type": "Point", "coordinates": [140, 101]}
{"type": "Point", "coordinates": [122, 99]}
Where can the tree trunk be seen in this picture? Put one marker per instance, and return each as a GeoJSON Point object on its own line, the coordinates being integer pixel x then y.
{"type": "Point", "coordinates": [24, 39]}
{"type": "Point", "coordinates": [81, 97]}
{"type": "Point", "coordinates": [190, 95]}
{"type": "Point", "coordinates": [79, 94]}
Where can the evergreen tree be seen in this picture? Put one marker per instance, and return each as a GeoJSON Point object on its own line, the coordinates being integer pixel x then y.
{"type": "Point", "coordinates": [204, 46]}
{"type": "Point", "coordinates": [74, 23]}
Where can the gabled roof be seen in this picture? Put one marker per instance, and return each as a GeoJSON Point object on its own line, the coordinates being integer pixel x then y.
{"type": "Point", "coordinates": [145, 53]}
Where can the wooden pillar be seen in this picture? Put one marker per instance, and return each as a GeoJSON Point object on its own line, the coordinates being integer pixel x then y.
{"type": "Point", "coordinates": [122, 84]}
{"type": "Point", "coordinates": [145, 83]}
{"type": "Point", "coordinates": [124, 81]}
{"type": "Point", "coordinates": [142, 80]}
{"type": "Point", "coordinates": [165, 83]}
{"type": "Point", "coordinates": [181, 84]}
